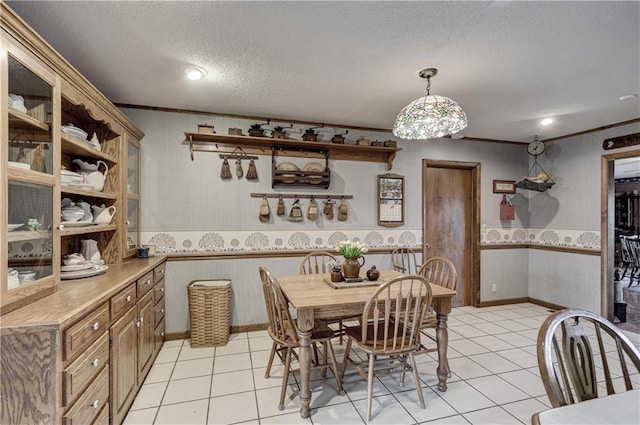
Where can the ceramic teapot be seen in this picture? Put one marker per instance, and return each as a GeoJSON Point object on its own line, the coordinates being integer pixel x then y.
{"type": "Point", "coordinates": [103, 215]}
{"type": "Point", "coordinates": [91, 173]}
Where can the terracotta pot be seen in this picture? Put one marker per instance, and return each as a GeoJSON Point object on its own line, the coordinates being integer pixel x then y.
{"type": "Point", "coordinates": [351, 266]}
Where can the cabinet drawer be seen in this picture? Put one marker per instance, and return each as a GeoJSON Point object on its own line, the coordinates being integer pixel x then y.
{"type": "Point", "coordinates": [81, 372]}
{"type": "Point", "coordinates": [145, 283]}
{"type": "Point", "coordinates": [89, 405]}
{"type": "Point", "coordinates": [79, 336]}
{"type": "Point", "coordinates": [159, 308]}
{"type": "Point", "coordinates": [103, 416]}
{"type": "Point", "coordinates": [158, 273]}
{"type": "Point", "coordinates": [159, 291]}
{"type": "Point", "coordinates": [124, 300]}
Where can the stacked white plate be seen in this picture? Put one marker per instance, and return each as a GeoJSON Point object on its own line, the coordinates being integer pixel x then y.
{"type": "Point", "coordinates": [72, 130]}
{"type": "Point", "coordinates": [79, 271]}
{"type": "Point", "coordinates": [70, 178]}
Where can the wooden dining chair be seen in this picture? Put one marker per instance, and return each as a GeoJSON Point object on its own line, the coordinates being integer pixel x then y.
{"type": "Point", "coordinates": [439, 271]}
{"type": "Point", "coordinates": [317, 263]}
{"type": "Point", "coordinates": [390, 331]}
{"type": "Point", "coordinates": [283, 330]}
{"type": "Point", "coordinates": [590, 348]}
{"type": "Point", "coordinates": [633, 246]}
{"type": "Point", "coordinates": [404, 260]}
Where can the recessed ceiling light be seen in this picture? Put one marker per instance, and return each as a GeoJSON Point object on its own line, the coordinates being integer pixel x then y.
{"type": "Point", "coordinates": [546, 121]}
{"type": "Point", "coordinates": [628, 97]}
{"type": "Point", "coordinates": [195, 73]}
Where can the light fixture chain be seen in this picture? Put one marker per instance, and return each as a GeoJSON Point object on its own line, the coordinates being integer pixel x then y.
{"type": "Point", "coordinates": [428, 84]}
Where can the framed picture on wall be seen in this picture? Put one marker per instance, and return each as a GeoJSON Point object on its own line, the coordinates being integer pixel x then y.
{"type": "Point", "coordinates": [504, 186]}
{"type": "Point", "coordinates": [390, 200]}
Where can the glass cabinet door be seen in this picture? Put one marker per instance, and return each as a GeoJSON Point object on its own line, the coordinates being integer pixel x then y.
{"type": "Point", "coordinates": [30, 253]}
{"type": "Point", "coordinates": [133, 212]}
{"type": "Point", "coordinates": [133, 174]}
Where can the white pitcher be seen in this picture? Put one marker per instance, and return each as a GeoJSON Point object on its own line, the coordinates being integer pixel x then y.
{"type": "Point", "coordinates": [90, 250]}
{"type": "Point", "coordinates": [103, 215]}
{"type": "Point", "coordinates": [91, 173]}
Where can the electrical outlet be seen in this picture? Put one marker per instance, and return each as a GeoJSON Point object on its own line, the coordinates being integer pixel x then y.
{"type": "Point", "coordinates": [494, 287]}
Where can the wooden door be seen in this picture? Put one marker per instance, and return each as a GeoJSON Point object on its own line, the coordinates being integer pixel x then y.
{"type": "Point", "coordinates": [146, 336]}
{"type": "Point", "coordinates": [124, 364]}
{"type": "Point", "coordinates": [451, 216]}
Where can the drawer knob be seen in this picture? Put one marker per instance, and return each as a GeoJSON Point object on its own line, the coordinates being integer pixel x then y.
{"type": "Point", "coordinates": [161, 333]}
{"type": "Point", "coordinates": [128, 298]}
{"type": "Point", "coordinates": [61, 227]}
{"type": "Point", "coordinates": [161, 289]}
{"type": "Point", "coordinates": [162, 271]}
{"type": "Point", "coordinates": [96, 326]}
{"type": "Point", "coordinates": [95, 404]}
{"type": "Point", "coordinates": [148, 282]}
{"type": "Point", "coordinates": [162, 310]}
{"type": "Point", "coordinates": [96, 363]}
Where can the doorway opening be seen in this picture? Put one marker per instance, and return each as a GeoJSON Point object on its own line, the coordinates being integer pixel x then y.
{"type": "Point", "coordinates": [620, 234]}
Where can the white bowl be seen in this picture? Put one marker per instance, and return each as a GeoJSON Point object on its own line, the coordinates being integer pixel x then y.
{"type": "Point", "coordinates": [26, 276]}
{"type": "Point", "coordinates": [72, 213]}
{"type": "Point", "coordinates": [13, 227]}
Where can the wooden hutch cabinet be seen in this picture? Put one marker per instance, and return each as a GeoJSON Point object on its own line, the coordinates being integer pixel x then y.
{"type": "Point", "coordinates": [73, 351]}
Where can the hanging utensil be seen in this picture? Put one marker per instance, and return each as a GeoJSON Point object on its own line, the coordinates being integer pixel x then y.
{"type": "Point", "coordinates": [312, 211]}
{"type": "Point", "coordinates": [225, 173]}
{"type": "Point", "coordinates": [252, 172]}
{"type": "Point", "coordinates": [342, 211]}
{"type": "Point", "coordinates": [328, 208]}
{"type": "Point", "coordinates": [295, 214]}
{"type": "Point", "coordinates": [280, 209]}
{"type": "Point", "coordinates": [239, 171]}
{"type": "Point", "coordinates": [265, 211]}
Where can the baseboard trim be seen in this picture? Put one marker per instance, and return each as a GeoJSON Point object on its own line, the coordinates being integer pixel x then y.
{"type": "Point", "coordinates": [521, 300]}
{"type": "Point", "coordinates": [233, 329]}
{"type": "Point", "coordinates": [546, 304]}
{"type": "Point", "coordinates": [503, 302]}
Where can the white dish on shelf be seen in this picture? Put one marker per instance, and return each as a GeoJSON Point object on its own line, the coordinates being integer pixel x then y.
{"type": "Point", "coordinates": [77, 267]}
{"type": "Point", "coordinates": [75, 131]}
{"type": "Point", "coordinates": [19, 165]}
{"type": "Point", "coordinates": [13, 227]}
{"type": "Point", "coordinates": [77, 223]}
{"type": "Point", "coordinates": [93, 271]}
{"type": "Point", "coordinates": [81, 186]}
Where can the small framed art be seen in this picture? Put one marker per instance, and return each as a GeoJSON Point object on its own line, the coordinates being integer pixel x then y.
{"type": "Point", "coordinates": [504, 186]}
{"type": "Point", "coordinates": [390, 200]}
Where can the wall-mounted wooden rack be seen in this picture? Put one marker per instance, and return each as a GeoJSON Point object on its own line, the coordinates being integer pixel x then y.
{"type": "Point", "coordinates": [299, 196]}
{"type": "Point", "coordinates": [199, 142]}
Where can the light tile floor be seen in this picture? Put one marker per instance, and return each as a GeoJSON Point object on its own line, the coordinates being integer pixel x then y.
{"type": "Point", "coordinates": [492, 355]}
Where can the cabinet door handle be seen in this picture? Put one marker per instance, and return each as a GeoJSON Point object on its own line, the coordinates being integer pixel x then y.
{"type": "Point", "coordinates": [162, 310]}
{"type": "Point", "coordinates": [161, 333]}
{"type": "Point", "coordinates": [128, 298]}
{"type": "Point", "coordinates": [148, 282]}
{"type": "Point", "coordinates": [138, 324]}
{"type": "Point", "coordinates": [141, 320]}
{"type": "Point", "coordinates": [95, 363]}
{"type": "Point", "coordinates": [61, 227]}
{"type": "Point", "coordinates": [96, 326]}
{"type": "Point", "coordinates": [161, 289]}
{"type": "Point", "coordinates": [161, 271]}
{"type": "Point", "coordinates": [95, 404]}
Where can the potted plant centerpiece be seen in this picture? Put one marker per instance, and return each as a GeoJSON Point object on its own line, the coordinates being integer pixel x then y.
{"type": "Point", "coordinates": [351, 251]}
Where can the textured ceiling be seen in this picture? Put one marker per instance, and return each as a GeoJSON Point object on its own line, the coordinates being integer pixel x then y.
{"type": "Point", "coordinates": [508, 64]}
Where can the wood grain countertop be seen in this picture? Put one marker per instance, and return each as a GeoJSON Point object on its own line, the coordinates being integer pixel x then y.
{"type": "Point", "coordinates": [75, 298]}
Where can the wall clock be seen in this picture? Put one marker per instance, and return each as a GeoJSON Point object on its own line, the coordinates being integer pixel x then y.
{"type": "Point", "coordinates": [536, 147]}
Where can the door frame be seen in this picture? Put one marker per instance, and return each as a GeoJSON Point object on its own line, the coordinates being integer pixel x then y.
{"type": "Point", "coordinates": [607, 230]}
{"type": "Point", "coordinates": [474, 167]}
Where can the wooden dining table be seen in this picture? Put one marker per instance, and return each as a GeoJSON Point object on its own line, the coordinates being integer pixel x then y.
{"type": "Point", "coordinates": [314, 298]}
{"type": "Point", "coordinates": [620, 408]}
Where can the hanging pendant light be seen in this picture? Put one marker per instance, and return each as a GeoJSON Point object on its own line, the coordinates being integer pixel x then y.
{"type": "Point", "coordinates": [430, 116]}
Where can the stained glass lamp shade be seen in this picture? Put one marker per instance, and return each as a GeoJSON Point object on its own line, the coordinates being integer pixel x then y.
{"type": "Point", "coordinates": [430, 116]}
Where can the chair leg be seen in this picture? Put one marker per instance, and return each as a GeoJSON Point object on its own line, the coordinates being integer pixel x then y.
{"type": "Point", "coordinates": [416, 379]}
{"type": "Point", "coordinates": [372, 362]}
{"type": "Point", "coordinates": [340, 330]}
{"type": "Point", "coordinates": [336, 372]}
{"type": "Point", "coordinates": [345, 360]}
{"type": "Point", "coordinates": [271, 356]}
{"type": "Point", "coordinates": [326, 359]}
{"type": "Point", "coordinates": [403, 360]}
{"type": "Point", "coordinates": [285, 378]}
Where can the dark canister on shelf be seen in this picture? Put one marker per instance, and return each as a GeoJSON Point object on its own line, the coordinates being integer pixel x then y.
{"type": "Point", "coordinates": [373, 273]}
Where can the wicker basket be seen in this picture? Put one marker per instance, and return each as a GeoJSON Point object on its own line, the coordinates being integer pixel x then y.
{"type": "Point", "coordinates": [209, 312]}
